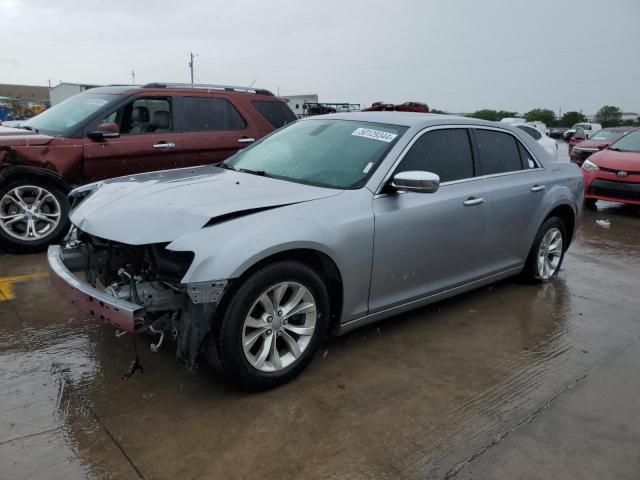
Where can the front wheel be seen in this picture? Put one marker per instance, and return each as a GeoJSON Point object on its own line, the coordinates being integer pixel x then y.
{"type": "Point", "coordinates": [547, 252]}
{"type": "Point", "coordinates": [33, 214]}
{"type": "Point", "coordinates": [272, 326]}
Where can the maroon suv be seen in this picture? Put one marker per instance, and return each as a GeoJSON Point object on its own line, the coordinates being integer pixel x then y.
{"type": "Point", "coordinates": [114, 131]}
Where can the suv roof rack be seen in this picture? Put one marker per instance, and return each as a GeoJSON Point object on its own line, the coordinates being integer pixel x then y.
{"type": "Point", "coordinates": [206, 86]}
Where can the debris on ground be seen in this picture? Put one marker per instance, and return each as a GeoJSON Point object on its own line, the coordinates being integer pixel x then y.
{"type": "Point", "coordinates": [604, 223]}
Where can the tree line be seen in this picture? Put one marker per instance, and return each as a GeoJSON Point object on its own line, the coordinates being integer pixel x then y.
{"type": "Point", "coordinates": [607, 116]}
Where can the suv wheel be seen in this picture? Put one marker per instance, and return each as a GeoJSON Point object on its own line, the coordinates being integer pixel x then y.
{"type": "Point", "coordinates": [272, 326]}
{"type": "Point", "coordinates": [33, 214]}
{"type": "Point", "coordinates": [547, 253]}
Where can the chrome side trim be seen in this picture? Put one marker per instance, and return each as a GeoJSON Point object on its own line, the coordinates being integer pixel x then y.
{"type": "Point", "coordinates": [413, 304]}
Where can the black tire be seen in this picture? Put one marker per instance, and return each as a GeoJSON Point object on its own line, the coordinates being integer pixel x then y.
{"type": "Point", "coordinates": [54, 236]}
{"type": "Point", "coordinates": [224, 344]}
{"type": "Point", "coordinates": [531, 271]}
{"type": "Point", "coordinates": [590, 203]}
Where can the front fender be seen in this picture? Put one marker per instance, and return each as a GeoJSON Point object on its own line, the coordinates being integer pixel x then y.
{"type": "Point", "coordinates": [227, 250]}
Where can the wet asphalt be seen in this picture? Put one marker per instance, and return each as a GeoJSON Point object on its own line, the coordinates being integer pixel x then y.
{"type": "Point", "coordinates": [509, 381]}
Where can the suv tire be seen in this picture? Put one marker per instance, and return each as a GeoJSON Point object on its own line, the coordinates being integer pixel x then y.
{"type": "Point", "coordinates": [282, 313]}
{"type": "Point", "coordinates": [33, 214]}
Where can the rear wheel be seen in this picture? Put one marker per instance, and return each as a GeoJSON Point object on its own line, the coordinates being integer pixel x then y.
{"type": "Point", "coordinates": [272, 326]}
{"type": "Point", "coordinates": [33, 214]}
{"type": "Point", "coordinates": [547, 253]}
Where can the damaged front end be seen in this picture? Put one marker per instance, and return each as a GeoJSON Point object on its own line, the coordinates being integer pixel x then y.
{"type": "Point", "coordinates": [137, 289]}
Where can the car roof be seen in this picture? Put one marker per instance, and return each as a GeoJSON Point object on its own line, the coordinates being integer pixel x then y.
{"type": "Point", "coordinates": [182, 88]}
{"type": "Point", "coordinates": [408, 119]}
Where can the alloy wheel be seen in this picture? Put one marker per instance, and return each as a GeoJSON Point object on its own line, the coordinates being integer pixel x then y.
{"type": "Point", "coordinates": [279, 326]}
{"type": "Point", "coordinates": [549, 253]}
{"type": "Point", "coordinates": [29, 213]}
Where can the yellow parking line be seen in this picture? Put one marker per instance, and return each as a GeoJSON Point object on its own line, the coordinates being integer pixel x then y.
{"type": "Point", "coordinates": [6, 284]}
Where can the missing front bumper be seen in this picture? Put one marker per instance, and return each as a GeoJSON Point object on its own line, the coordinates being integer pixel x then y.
{"type": "Point", "coordinates": [120, 313]}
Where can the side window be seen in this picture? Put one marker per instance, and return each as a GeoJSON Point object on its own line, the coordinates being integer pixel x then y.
{"type": "Point", "coordinates": [203, 114]}
{"type": "Point", "coordinates": [278, 114]}
{"type": "Point", "coordinates": [445, 152]}
{"type": "Point", "coordinates": [533, 132]}
{"type": "Point", "coordinates": [497, 152]}
{"type": "Point", "coordinates": [527, 160]}
{"type": "Point", "coordinates": [143, 115]}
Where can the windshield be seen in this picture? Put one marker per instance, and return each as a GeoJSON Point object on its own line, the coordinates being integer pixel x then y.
{"type": "Point", "coordinates": [608, 135]}
{"type": "Point", "coordinates": [69, 113]}
{"type": "Point", "coordinates": [584, 126]}
{"type": "Point", "coordinates": [629, 143]}
{"type": "Point", "coordinates": [328, 153]}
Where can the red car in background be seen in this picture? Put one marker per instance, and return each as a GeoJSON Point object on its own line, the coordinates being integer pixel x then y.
{"type": "Point", "coordinates": [581, 148]}
{"type": "Point", "coordinates": [412, 107]}
{"type": "Point", "coordinates": [379, 107]}
{"type": "Point", "coordinates": [613, 174]}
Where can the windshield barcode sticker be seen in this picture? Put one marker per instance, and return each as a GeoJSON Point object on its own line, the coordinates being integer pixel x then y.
{"type": "Point", "coordinates": [374, 134]}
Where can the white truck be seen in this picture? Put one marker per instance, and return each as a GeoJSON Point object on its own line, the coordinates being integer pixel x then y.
{"type": "Point", "coordinates": [588, 127]}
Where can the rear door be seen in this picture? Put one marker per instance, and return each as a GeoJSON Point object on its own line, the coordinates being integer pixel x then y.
{"type": "Point", "coordinates": [148, 140]}
{"type": "Point", "coordinates": [214, 128]}
{"type": "Point", "coordinates": [516, 184]}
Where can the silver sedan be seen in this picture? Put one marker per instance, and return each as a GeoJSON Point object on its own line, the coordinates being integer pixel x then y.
{"type": "Point", "coordinates": [328, 224]}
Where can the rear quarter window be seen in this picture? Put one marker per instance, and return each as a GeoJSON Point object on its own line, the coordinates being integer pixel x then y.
{"type": "Point", "coordinates": [278, 114]}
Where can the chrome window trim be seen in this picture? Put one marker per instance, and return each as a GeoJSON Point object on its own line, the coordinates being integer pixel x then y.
{"type": "Point", "coordinates": [462, 180]}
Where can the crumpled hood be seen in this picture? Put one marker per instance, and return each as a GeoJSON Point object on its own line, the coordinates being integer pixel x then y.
{"type": "Point", "coordinates": [159, 207]}
{"type": "Point", "coordinates": [17, 137]}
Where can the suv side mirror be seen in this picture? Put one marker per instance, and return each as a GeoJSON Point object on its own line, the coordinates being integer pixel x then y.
{"type": "Point", "coordinates": [105, 130]}
{"type": "Point", "coordinates": [416, 181]}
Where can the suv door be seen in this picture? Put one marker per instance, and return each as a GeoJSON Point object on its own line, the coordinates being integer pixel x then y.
{"type": "Point", "coordinates": [428, 242]}
{"type": "Point", "coordinates": [147, 140]}
{"type": "Point", "coordinates": [515, 183]}
{"type": "Point", "coordinates": [213, 129]}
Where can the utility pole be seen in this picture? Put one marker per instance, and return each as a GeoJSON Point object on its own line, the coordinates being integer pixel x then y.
{"type": "Point", "coordinates": [133, 77]}
{"type": "Point", "coordinates": [191, 67]}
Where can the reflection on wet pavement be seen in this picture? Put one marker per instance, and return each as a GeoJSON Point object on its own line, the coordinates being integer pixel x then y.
{"type": "Point", "coordinates": [415, 396]}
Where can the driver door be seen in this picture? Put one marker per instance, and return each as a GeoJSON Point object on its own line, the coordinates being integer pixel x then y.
{"type": "Point", "coordinates": [428, 242]}
{"type": "Point", "coordinates": [147, 141]}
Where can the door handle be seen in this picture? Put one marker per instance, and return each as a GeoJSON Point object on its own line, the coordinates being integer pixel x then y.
{"type": "Point", "coordinates": [538, 188]}
{"type": "Point", "coordinates": [473, 201]}
{"type": "Point", "coordinates": [164, 145]}
{"type": "Point", "coordinates": [246, 140]}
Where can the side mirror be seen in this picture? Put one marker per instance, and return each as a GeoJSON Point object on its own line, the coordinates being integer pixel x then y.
{"type": "Point", "coordinates": [105, 130]}
{"type": "Point", "coordinates": [416, 181]}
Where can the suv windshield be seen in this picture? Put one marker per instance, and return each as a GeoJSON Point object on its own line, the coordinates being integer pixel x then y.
{"type": "Point", "coordinates": [629, 143]}
{"type": "Point", "coordinates": [68, 114]}
{"type": "Point", "coordinates": [328, 153]}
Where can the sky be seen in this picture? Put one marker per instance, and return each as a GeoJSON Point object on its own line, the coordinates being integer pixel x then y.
{"type": "Point", "coordinates": [455, 55]}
